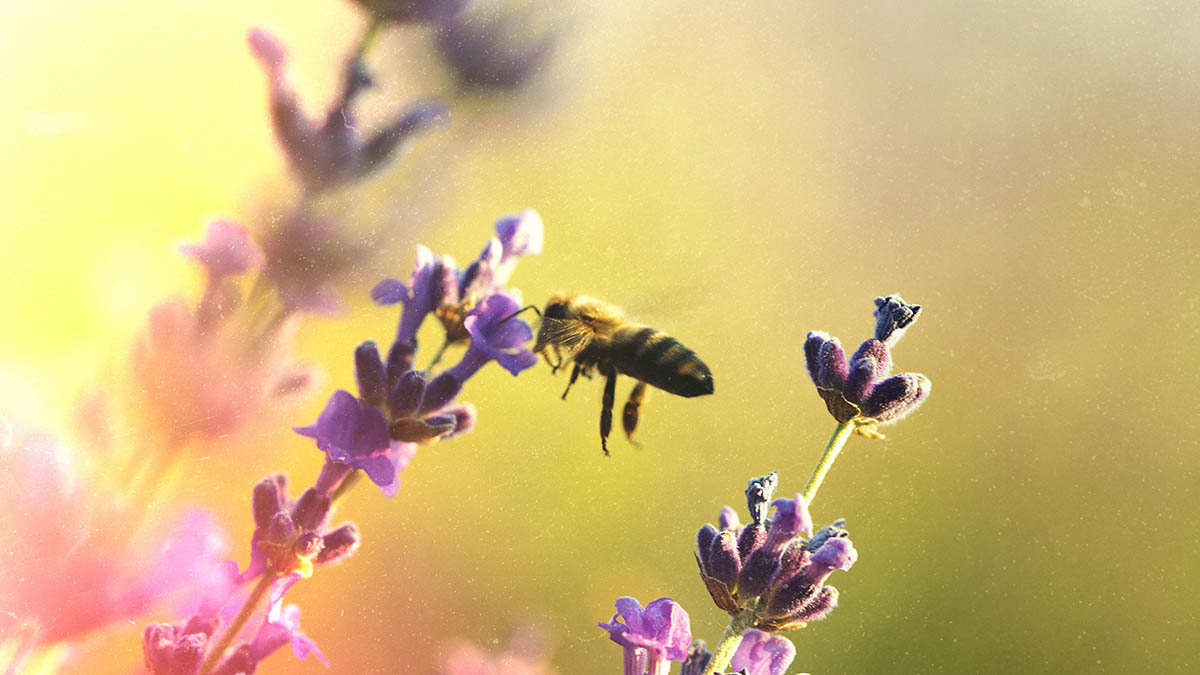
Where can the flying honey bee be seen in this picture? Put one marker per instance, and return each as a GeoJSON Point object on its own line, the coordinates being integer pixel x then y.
{"type": "Point", "coordinates": [596, 335]}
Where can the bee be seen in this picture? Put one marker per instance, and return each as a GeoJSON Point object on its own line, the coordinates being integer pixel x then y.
{"type": "Point", "coordinates": [596, 335]}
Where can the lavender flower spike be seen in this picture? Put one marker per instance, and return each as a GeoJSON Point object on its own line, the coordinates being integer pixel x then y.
{"type": "Point", "coordinates": [763, 654]}
{"type": "Point", "coordinates": [859, 390]}
{"type": "Point", "coordinates": [662, 632]}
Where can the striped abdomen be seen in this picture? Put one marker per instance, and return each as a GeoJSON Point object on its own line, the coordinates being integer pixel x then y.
{"type": "Point", "coordinates": [652, 356]}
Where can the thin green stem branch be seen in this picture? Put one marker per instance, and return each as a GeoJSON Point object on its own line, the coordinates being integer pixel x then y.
{"type": "Point", "coordinates": [838, 440]}
{"type": "Point", "coordinates": [723, 654]}
{"type": "Point", "coordinates": [213, 658]}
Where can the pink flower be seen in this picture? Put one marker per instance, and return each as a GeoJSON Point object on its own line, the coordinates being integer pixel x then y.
{"type": "Point", "coordinates": [84, 557]}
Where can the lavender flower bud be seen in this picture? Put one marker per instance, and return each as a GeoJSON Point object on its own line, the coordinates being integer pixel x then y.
{"type": "Point", "coordinates": [836, 529]}
{"type": "Point", "coordinates": [756, 574]}
{"type": "Point", "coordinates": [793, 561]}
{"type": "Point", "coordinates": [809, 604]}
{"type": "Point", "coordinates": [728, 520]}
{"type": "Point", "coordinates": [812, 354]}
{"type": "Point", "coordinates": [267, 500]}
{"type": "Point", "coordinates": [400, 360]}
{"type": "Point", "coordinates": [465, 416]}
{"type": "Point", "coordinates": [876, 350]}
{"type": "Point", "coordinates": [407, 395]}
{"type": "Point", "coordinates": [758, 493]}
{"type": "Point", "coordinates": [697, 659]}
{"type": "Point", "coordinates": [369, 370]}
{"type": "Point", "coordinates": [892, 317]}
{"type": "Point", "coordinates": [308, 545]}
{"type": "Point", "coordinates": [440, 392]}
{"type": "Point", "coordinates": [753, 536]}
{"type": "Point", "coordinates": [861, 380]}
{"type": "Point", "coordinates": [311, 510]}
{"type": "Point", "coordinates": [158, 646]}
{"type": "Point", "coordinates": [704, 540]}
{"type": "Point", "coordinates": [189, 653]}
{"type": "Point", "coordinates": [724, 563]}
{"type": "Point", "coordinates": [833, 369]}
{"type": "Point", "coordinates": [339, 544]}
{"type": "Point", "coordinates": [896, 397]}
{"type": "Point", "coordinates": [281, 529]}
{"type": "Point", "coordinates": [240, 662]}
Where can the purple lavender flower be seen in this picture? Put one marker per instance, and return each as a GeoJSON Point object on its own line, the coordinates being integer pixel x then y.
{"type": "Point", "coordinates": [859, 389]}
{"type": "Point", "coordinates": [490, 52]}
{"type": "Point", "coordinates": [652, 636]}
{"type": "Point", "coordinates": [282, 627]}
{"type": "Point", "coordinates": [763, 654]}
{"type": "Point", "coordinates": [350, 432]}
{"type": "Point", "coordinates": [327, 155]}
{"type": "Point", "coordinates": [496, 336]}
{"type": "Point", "coordinates": [421, 297]}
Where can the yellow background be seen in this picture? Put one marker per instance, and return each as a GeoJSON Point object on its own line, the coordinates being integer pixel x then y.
{"type": "Point", "coordinates": [736, 174]}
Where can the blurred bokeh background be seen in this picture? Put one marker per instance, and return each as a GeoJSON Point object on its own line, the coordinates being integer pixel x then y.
{"type": "Point", "coordinates": [735, 174]}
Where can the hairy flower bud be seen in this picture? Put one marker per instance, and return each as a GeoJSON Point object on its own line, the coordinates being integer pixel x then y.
{"type": "Point", "coordinates": [370, 373]}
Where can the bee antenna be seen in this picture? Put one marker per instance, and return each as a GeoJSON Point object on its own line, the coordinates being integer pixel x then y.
{"type": "Point", "coordinates": [520, 311]}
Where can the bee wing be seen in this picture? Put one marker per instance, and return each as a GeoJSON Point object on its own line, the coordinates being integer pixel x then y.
{"type": "Point", "coordinates": [571, 335]}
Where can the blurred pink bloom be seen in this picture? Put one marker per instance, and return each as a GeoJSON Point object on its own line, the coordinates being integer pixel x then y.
{"type": "Point", "coordinates": [523, 655]}
{"type": "Point", "coordinates": [211, 383]}
{"type": "Point", "coordinates": [82, 557]}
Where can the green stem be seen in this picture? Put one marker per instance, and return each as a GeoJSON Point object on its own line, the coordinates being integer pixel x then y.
{"type": "Point", "coordinates": [729, 642]}
{"type": "Point", "coordinates": [840, 435]}
{"type": "Point", "coordinates": [214, 656]}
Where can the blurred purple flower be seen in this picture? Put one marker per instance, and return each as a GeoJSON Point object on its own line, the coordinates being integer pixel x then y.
{"type": "Point", "coordinates": [763, 654]}
{"type": "Point", "coordinates": [416, 11]}
{"type": "Point", "coordinates": [325, 156]}
{"type": "Point", "coordinates": [493, 52]}
{"type": "Point", "coordinates": [860, 390]}
{"type": "Point", "coordinates": [659, 633]}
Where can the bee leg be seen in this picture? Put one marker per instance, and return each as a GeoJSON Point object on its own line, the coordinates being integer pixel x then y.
{"type": "Point", "coordinates": [574, 376]}
{"type": "Point", "coordinates": [610, 393]}
{"type": "Point", "coordinates": [634, 406]}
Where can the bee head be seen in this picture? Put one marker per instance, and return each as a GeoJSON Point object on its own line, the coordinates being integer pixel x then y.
{"type": "Point", "coordinates": [556, 306]}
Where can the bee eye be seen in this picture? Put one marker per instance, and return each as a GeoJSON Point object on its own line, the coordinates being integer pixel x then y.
{"type": "Point", "coordinates": [556, 311]}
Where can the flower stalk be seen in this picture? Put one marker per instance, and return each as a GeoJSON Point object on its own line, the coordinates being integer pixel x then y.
{"type": "Point", "coordinates": [730, 640]}
{"type": "Point", "coordinates": [836, 442]}
{"type": "Point", "coordinates": [214, 655]}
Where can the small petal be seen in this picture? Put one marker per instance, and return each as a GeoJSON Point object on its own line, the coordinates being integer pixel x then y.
{"type": "Point", "coordinates": [763, 654]}
{"type": "Point", "coordinates": [389, 292]}
{"type": "Point", "coordinates": [896, 397]}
